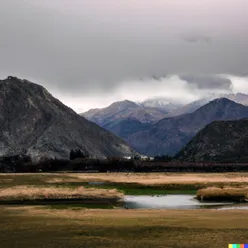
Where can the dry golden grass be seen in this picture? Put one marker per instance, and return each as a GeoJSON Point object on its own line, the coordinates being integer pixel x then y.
{"type": "Point", "coordinates": [184, 218]}
{"type": "Point", "coordinates": [140, 178]}
{"type": "Point", "coordinates": [28, 227]}
{"type": "Point", "coordinates": [38, 193]}
{"type": "Point", "coordinates": [161, 178]}
{"type": "Point", "coordinates": [225, 193]}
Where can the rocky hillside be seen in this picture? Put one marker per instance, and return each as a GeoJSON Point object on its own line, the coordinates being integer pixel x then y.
{"type": "Point", "coordinates": [170, 135]}
{"type": "Point", "coordinates": [34, 122]}
{"type": "Point", "coordinates": [219, 141]}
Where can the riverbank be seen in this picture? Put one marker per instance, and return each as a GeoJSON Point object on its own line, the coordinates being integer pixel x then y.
{"type": "Point", "coordinates": [60, 195]}
{"type": "Point", "coordinates": [238, 194]}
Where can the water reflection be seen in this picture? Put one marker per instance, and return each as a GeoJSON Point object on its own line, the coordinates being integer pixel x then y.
{"type": "Point", "coordinates": [169, 202]}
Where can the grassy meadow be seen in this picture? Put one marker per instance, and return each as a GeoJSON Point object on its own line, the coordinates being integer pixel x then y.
{"type": "Point", "coordinates": [163, 181]}
{"type": "Point", "coordinates": [92, 224]}
{"type": "Point", "coordinates": [28, 227]}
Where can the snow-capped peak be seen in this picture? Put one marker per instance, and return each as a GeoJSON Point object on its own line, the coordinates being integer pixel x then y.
{"type": "Point", "coordinates": [160, 102]}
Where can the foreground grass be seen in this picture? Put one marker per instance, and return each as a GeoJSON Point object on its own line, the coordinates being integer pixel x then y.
{"type": "Point", "coordinates": [68, 225]}
{"type": "Point", "coordinates": [227, 193]}
{"type": "Point", "coordinates": [28, 227]}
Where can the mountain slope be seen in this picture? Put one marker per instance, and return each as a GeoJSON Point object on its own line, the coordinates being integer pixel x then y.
{"type": "Point", "coordinates": [34, 122]}
{"type": "Point", "coordinates": [126, 127]}
{"type": "Point", "coordinates": [169, 135]}
{"type": "Point", "coordinates": [219, 141]}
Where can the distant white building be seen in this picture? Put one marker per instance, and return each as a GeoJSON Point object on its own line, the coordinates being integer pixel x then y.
{"type": "Point", "coordinates": [142, 157]}
{"type": "Point", "coordinates": [127, 157]}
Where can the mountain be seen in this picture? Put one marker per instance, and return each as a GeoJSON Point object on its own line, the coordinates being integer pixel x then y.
{"type": "Point", "coordinates": [239, 98]}
{"type": "Point", "coordinates": [193, 106]}
{"type": "Point", "coordinates": [124, 110]}
{"type": "Point", "coordinates": [126, 127]}
{"type": "Point", "coordinates": [169, 135]}
{"type": "Point", "coordinates": [161, 103]}
{"type": "Point", "coordinates": [34, 122]}
{"type": "Point", "coordinates": [225, 141]}
{"type": "Point", "coordinates": [124, 118]}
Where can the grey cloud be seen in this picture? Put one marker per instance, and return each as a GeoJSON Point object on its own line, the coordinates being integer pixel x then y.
{"type": "Point", "coordinates": [89, 47]}
{"type": "Point", "coordinates": [198, 39]}
{"type": "Point", "coordinates": [208, 81]}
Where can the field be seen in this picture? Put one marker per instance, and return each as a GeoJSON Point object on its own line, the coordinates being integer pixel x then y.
{"type": "Point", "coordinates": [25, 226]}
{"type": "Point", "coordinates": [163, 178]}
{"type": "Point", "coordinates": [28, 227]}
{"type": "Point", "coordinates": [195, 180]}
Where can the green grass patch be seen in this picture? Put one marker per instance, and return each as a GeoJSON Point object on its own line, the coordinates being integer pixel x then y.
{"type": "Point", "coordinates": [140, 189]}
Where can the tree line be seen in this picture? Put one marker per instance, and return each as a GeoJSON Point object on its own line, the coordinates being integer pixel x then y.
{"type": "Point", "coordinates": [79, 161]}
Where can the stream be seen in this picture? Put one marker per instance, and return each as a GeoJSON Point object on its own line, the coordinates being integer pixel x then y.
{"type": "Point", "coordinates": [170, 202]}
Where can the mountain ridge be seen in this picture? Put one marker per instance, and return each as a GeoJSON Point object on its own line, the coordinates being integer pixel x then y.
{"type": "Point", "coordinates": [193, 106]}
{"type": "Point", "coordinates": [41, 126]}
{"type": "Point", "coordinates": [170, 134]}
{"type": "Point", "coordinates": [124, 110]}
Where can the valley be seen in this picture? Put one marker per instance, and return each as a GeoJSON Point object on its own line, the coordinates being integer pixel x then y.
{"type": "Point", "coordinates": [168, 134]}
{"type": "Point", "coordinates": [92, 186]}
{"type": "Point", "coordinates": [87, 224]}
{"type": "Point", "coordinates": [123, 124]}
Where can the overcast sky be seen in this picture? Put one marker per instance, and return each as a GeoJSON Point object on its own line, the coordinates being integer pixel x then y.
{"type": "Point", "coordinates": [89, 53]}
